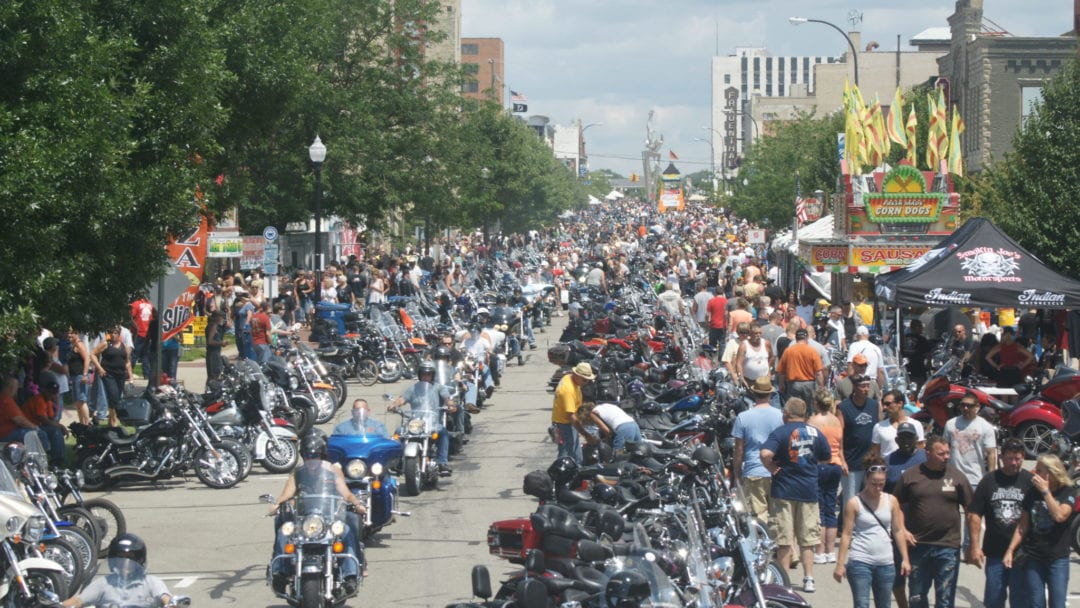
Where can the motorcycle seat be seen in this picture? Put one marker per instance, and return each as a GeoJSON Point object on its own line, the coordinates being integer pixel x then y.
{"type": "Point", "coordinates": [570, 497]}
{"type": "Point", "coordinates": [116, 439]}
{"type": "Point", "coordinates": [590, 579]}
{"type": "Point", "coordinates": [999, 405]}
{"type": "Point", "coordinates": [327, 351]}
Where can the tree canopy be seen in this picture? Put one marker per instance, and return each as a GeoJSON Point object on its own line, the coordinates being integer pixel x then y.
{"type": "Point", "coordinates": [121, 121]}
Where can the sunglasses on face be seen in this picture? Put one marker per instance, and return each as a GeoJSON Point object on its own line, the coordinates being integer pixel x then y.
{"type": "Point", "coordinates": [888, 403]}
{"type": "Point", "coordinates": [968, 404]}
{"type": "Point", "coordinates": [877, 468]}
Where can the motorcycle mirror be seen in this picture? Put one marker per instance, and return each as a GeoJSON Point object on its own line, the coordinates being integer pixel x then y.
{"type": "Point", "coordinates": [481, 582]}
{"type": "Point", "coordinates": [267, 498]}
{"type": "Point", "coordinates": [387, 397]}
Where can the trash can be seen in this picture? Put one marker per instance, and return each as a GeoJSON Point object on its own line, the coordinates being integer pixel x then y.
{"type": "Point", "coordinates": [334, 314]}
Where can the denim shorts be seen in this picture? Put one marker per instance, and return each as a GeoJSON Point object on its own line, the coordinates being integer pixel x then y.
{"type": "Point", "coordinates": [78, 389]}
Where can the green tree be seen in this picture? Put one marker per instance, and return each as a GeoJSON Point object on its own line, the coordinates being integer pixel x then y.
{"type": "Point", "coordinates": [764, 190]}
{"type": "Point", "coordinates": [1032, 191]}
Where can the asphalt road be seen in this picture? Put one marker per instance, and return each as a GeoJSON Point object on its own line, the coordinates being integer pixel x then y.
{"type": "Point", "coordinates": [214, 545]}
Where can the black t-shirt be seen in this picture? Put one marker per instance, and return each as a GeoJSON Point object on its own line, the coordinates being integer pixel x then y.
{"type": "Point", "coordinates": [997, 499]}
{"type": "Point", "coordinates": [1046, 539]}
{"type": "Point", "coordinates": [915, 347]}
{"type": "Point", "coordinates": [858, 430]}
{"type": "Point", "coordinates": [1028, 325]}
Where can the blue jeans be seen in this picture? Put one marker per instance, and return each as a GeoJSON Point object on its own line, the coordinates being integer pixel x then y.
{"type": "Point", "coordinates": [828, 483]}
{"type": "Point", "coordinates": [99, 402]}
{"type": "Point", "coordinates": [866, 578]}
{"type": "Point", "coordinates": [262, 353]}
{"type": "Point", "coordinates": [566, 439]}
{"type": "Point", "coordinates": [627, 431]}
{"type": "Point", "coordinates": [442, 447]}
{"type": "Point", "coordinates": [1052, 576]}
{"type": "Point", "coordinates": [937, 565]}
{"type": "Point", "coordinates": [19, 434]}
{"type": "Point", "coordinates": [1003, 583]}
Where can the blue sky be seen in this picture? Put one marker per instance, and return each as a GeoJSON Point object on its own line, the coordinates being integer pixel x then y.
{"type": "Point", "coordinates": [613, 61]}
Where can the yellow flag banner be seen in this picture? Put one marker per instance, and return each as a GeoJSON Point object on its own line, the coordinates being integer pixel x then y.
{"type": "Point", "coordinates": [933, 146]}
{"type": "Point", "coordinates": [895, 122]}
{"type": "Point", "coordinates": [956, 161]}
{"type": "Point", "coordinates": [942, 133]}
{"type": "Point", "coordinates": [909, 135]}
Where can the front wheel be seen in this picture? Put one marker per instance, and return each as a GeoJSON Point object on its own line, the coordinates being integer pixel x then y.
{"type": "Point", "coordinates": [776, 575]}
{"type": "Point", "coordinates": [325, 405]}
{"type": "Point", "coordinates": [80, 517]}
{"type": "Point", "coordinates": [1037, 437]}
{"type": "Point", "coordinates": [41, 583]}
{"type": "Point", "coordinates": [93, 470]}
{"type": "Point", "coordinates": [282, 455]}
{"type": "Point", "coordinates": [414, 482]}
{"type": "Point", "coordinates": [341, 392]}
{"type": "Point", "coordinates": [389, 371]}
{"type": "Point", "coordinates": [84, 545]}
{"type": "Point", "coordinates": [301, 416]}
{"type": "Point", "coordinates": [367, 372]}
{"type": "Point", "coordinates": [218, 467]}
{"type": "Point", "coordinates": [109, 519]}
{"type": "Point", "coordinates": [66, 556]}
{"type": "Point", "coordinates": [311, 592]}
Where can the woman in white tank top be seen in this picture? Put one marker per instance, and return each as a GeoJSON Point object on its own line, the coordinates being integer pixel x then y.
{"type": "Point", "coordinates": [873, 525]}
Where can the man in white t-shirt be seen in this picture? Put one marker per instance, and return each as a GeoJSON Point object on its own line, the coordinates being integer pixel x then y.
{"type": "Point", "coordinates": [701, 304]}
{"type": "Point", "coordinates": [883, 439]}
{"type": "Point", "coordinates": [875, 360]}
{"type": "Point", "coordinates": [972, 440]}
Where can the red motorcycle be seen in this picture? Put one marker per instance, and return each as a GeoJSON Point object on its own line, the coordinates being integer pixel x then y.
{"type": "Point", "coordinates": [1034, 420]}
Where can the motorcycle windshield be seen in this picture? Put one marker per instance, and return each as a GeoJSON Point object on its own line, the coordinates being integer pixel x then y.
{"type": "Point", "coordinates": [318, 496]}
{"type": "Point", "coordinates": [120, 574]}
{"type": "Point", "coordinates": [35, 451]}
{"type": "Point", "coordinates": [642, 559]}
{"type": "Point", "coordinates": [7, 481]}
{"type": "Point", "coordinates": [424, 396]}
{"type": "Point", "coordinates": [444, 373]}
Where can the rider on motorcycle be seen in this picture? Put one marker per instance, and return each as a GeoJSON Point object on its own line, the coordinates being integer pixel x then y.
{"type": "Point", "coordinates": [520, 302]}
{"type": "Point", "coordinates": [444, 352]}
{"type": "Point", "coordinates": [314, 469]}
{"type": "Point", "coordinates": [426, 395]}
{"type": "Point", "coordinates": [361, 422]}
{"type": "Point", "coordinates": [127, 583]}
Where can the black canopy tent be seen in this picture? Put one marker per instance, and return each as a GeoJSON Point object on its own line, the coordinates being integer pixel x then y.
{"type": "Point", "coordinates": [978, 266]}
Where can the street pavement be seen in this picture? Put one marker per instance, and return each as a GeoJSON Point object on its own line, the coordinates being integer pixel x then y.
{"type": "Point", "coordinates": [214, 545]}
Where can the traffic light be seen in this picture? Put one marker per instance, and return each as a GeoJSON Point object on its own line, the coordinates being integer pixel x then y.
{"type": "Point", "coordinates": [634, 177]}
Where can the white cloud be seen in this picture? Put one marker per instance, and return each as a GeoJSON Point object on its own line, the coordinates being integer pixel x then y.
{"type": "Point", "coordinates": [614, 61]}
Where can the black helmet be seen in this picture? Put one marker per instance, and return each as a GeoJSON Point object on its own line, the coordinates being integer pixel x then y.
{"type": "Point", "coordinates": [603, 493]}
{"type": "Point", "coordinates": [627, 589]}
{"type": "Point", "coordinates": [128, 546]}
{"type": "Point", "coordinates": [442, 353]}
{"type": "Point", "coordinates": [313, 446]}
{"type": "Point", "coordinates": [15, 453]}
{"type": "Point", "coordinates": [706, 455]}
{"type": "Point", "coordinates": [563, 470]}
{"type": "Point", "coordinates": [426, 367]}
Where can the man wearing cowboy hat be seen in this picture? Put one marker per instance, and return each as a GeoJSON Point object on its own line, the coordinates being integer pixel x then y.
{"type": "Point", "coordinates": [565, 426]}
{"type": "Point", "coordinates": [752, 428]}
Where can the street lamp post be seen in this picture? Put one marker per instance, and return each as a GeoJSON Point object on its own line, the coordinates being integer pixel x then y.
{"type": "Point", "coordinates": [851, 45]}
{"type": "Point", "coordinates": [581, 142]}
{"type": "Point", "coordinates": [317, 153]}
{"type": "Point", "coordinates": [723, 162]}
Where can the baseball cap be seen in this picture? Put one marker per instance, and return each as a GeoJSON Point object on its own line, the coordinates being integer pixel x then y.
{"type": "Point", "coordinates": [907, 428]}
{"type": "Point", "coordinates": [862, 331]}
{"type": "Point", "coordinates": [860, 359]}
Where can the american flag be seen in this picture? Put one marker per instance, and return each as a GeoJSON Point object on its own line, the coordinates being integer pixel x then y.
{"type": "Point", "coordinates": [800, 210]}
{"type": "Point", "coordinates": [517, 97]}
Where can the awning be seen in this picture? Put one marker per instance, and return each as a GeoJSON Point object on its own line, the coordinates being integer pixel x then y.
{"type": "Point", "coordinates": [614, 195]}
{"type": "Point", "coordinates": [821, 229]}
{"type": "Point", "coordinates": [595, 201]}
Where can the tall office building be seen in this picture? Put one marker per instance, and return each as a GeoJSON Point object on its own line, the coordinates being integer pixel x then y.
{"type": "Point", "coordinates": [483, 60]}
{"type": "Point", "coordinates": [739, 76]}
{"type": "Point", "coordinates": [448, 22]}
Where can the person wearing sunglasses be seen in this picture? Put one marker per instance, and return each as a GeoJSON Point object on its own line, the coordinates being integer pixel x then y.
{"type": "Point", "coordinates": [972, 440]}
{"type": "Point", "coordinates": [932, 495]}
{"type": "Point", "coordinates": [884, 436]}
{"type": "Point", "coordinates": [873, 525]}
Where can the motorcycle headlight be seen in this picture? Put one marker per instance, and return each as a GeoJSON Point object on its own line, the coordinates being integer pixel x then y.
{"type": "Point", "coordinates": [338, 528]}
{"type": "Point", "coordinates": [294, 383]}
{"type": "Point", "coordinates": [313, 526]}
{"type": "Point", "coordinates": [51, 481]}
{"type": "Point", "coordinates": [288, 528]}
{"type": "Point", "coordinates": [377, 469]}
{"type": "Point", "coordinates": [415, 426]}
{"type": "Point", "coordinates": [80, 479]}
{"type": "Point", "coordinates": [356, 468]}
{"type": "Point", "coordinates": [13, 524]}
{"type": "Point", "coordinates": [35, 528]}
{"type": "Point", "coordinates": [722, 569]}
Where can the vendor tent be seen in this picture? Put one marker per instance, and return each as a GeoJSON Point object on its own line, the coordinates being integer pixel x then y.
{"type": "Point", "coordinates": [614, 195]}
{"type": "Point", "coordinates": [594, 201]}
{"type": "Point", "coordinates": [978, 265]}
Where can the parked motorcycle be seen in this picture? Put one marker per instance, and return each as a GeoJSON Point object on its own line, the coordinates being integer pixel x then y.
{"type": "Point", "coordinates": [164, 448]}
{"type": "Point", "coordinates": [28, 579]}
{"type": "Point", "coordinates": [1033, 421]}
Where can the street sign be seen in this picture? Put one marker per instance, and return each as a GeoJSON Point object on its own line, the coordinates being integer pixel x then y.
{"type": "Point", "coordinates": [270, 258]}
{"type": "Point", "coordinates": [270, 233]}
{"type": "Point", "coordinates": [755, 237]}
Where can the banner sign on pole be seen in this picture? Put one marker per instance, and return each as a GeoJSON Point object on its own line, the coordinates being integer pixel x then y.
{"type": "Point", "coordinates": [188, 256]}
{"type": "Point", "coordinates": [222, 246]}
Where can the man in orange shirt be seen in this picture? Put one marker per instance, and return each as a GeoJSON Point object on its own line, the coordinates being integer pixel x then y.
{"type": "Point", "coordinates": [13, 423]}
{"type": "Point", "coordinates": [801, 369]}
{"type": "Point", "coordinates": [39, 410]}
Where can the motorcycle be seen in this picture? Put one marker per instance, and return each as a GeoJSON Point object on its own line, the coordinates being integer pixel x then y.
{"type": "Point", "coordinates": [164, 448]}
{"type": "Point", "coordinates": [1033, 421]}
{"type": "Point", "coordinates": [326, 391]}
{"type": "Point", "coordinates": [366, 461]}
{"type": "Point", "coordinates": [124, 572]}
{"type": "Point", "coordinates": [458, 424]}
{"type": "Point", "coordinates": [314, 529]}
{"type": "Point", "coordinates": [418, 434]}
{"type": "Point", "coordinates": [243, 415]}
{"type": "Point", "coordinates": [37, 565]}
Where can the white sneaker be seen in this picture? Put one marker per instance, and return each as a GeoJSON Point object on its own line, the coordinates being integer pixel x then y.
{"type": "Point", "coordinates": [821, 558]}
{"type": "Point", "coordinates": [832, 557]}
{"type": "Point", "coordinates": [808, 584]}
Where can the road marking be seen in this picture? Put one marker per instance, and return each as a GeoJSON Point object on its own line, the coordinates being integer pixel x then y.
{"type": "Point", "coordinates": [184, 581]}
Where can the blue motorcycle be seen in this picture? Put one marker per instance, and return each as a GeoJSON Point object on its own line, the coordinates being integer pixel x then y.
{"type": "Point", "coordinates": [365, 460]}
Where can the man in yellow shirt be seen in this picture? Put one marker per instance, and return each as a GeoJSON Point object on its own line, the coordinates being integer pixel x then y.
{"type": "Point", "coordinates": [864, 312]}
{"type": "Point", "coordinates": [564, 424]}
